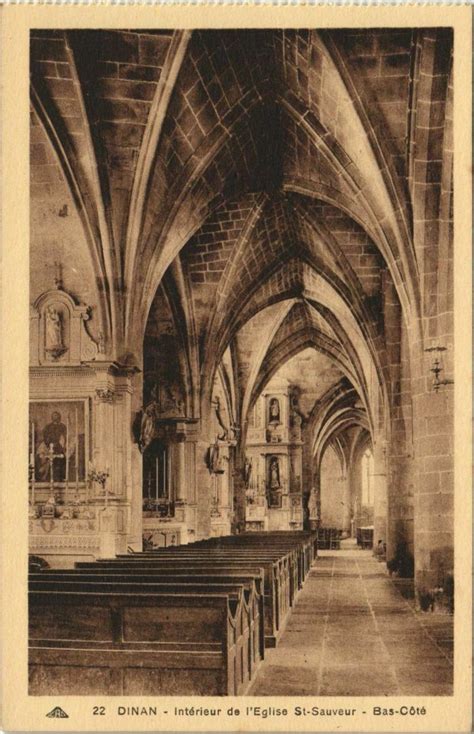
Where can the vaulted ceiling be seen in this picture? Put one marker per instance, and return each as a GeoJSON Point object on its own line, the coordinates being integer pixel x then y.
{"type": "Point", "coordinates": [258, 190]}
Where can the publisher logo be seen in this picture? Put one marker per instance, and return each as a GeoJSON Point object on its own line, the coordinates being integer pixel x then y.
{"type": "Point", "coordinates": [57, 713]}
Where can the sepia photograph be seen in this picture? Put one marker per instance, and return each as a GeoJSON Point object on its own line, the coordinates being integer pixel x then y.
{"type": "Point", "coordinates": [241, 266]}
{"type": "Point", "coordinates": [243, 355]}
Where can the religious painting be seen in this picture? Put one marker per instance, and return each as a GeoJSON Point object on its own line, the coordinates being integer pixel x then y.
{"type": "Point", "coordinates": [58, 432]}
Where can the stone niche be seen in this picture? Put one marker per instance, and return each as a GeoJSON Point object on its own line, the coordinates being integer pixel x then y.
{"type": "Point", "coordinates": [58, 333]}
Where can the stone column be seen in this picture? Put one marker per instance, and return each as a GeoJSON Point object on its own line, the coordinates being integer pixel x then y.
{"type": "Point", "coordinates": [135, 531]}
{"type": "Point", "coordinates": [400, 504]}
{"type": "Point", "coordinates": [203, 491]}
{"type": "Point", "coordinates": [240, 502]}
{"type": "Point", "coordinates": [380, 491]}
{"type": "Point", "coordinates": [434, 498]}
{"type": "Point", "coordinates": [180, 463]}
{"type": "Point", "coordinates": [347, 507]}
{"type": "Point", "coordinates": [355, 492]}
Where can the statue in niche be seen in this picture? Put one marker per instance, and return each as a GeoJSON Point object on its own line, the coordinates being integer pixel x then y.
{"type": "Point", "coordinates": [247, 472]}
{"type": "Point", "coordinates": [214, 461]}
{"type": "Point", "coordinates": [298, 418]}
{"type": "Point", "coordinates": [274, 474]}
{"type": "Point", "coordinates": [54, 343]}
{"type": "Point", "coordinates": [54, 336]}
{"type": "Point", "coordinates": [170, 403]}
{"type": "Point", "coordinates": [148, 429]}
{"type": "Point", "coordinates": [168, 400]}
{"type": "Point", "coordinates": [225, 431]}
{"type": "Point", "coordinates": [274, 411]}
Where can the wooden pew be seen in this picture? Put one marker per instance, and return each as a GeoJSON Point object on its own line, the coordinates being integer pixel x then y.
{"type": "Point", "coordinates": [299, 546]}
{"type": "Point", "coordinates": [276, 578]}
{"type": "Point", "coordinates": [277, 587]}
{"type": "Point", "coordinates": [96, 641]}
{"type": "Point", "coordinates": [286, 556]}
{"type": "Point", "coordinates": [169, 581]}
{"type": "Point", "coordinates": [303, 543]}
{"type": "Point", "coordinates": [287, 577]}
{"type": "Point", "coordinates": [179, 583]}
{"type": "Point", "coordinates": [286, 573]}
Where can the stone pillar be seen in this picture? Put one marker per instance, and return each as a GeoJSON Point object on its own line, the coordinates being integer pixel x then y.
{"type": "Point", "coordinates": [315, 516]}
{"type": "Point", "coordinates": [180, 463]}
{"type": "Point", "coordinates": [135, 531]}
{"type": "Point", "coordinates": [238, 485]}
{"type": "Point", "coordinates": [307, 476]}
{"type": "Point", "coordinates": [113, 449]}
{"type": "Point", "coordinates": [203, 491]}
{"type": "Point", "coordinates": [380, 491]}
{"type": "Point", "coordinates": [240, 503]}
{"type": "Point", "coordinates": [400, 504]}
{"type": "Point", "coordinates": [400, 453]}
{"type": "Point", "coordinates": [434, 497]}
{"type": "Point", "coordinates": [355, 489]}
{"type": "Point", "coordinates": [347, 507]}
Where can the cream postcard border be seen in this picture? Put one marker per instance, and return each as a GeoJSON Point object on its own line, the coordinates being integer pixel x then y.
{"type": "Point", "coordinates": [21, 712]}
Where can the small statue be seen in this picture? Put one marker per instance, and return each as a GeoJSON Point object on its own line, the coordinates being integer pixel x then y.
{"type": "Point", "coordinates": [214, 463]}
{"type": "Point", "coordinates": [54, 338]}
{"type": "Point", "coordinates": [274, 411]}
{"type": "Point", "coordinates": [147, 429]}
{"type": "Point", "coordinates": [274, 473]}
{"type": "Point", "coordinates": [171, 402]}
{"type": "Point", "coordinates": [225, 434]}
{"type": "Point", "coordinates": [148, 424]}
{"type": "Point", "coordinates": [101, 342]}
{"type": "Point", "coordinates": [247, 472]}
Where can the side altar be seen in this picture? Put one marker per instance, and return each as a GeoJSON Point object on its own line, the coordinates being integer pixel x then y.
{"type": "Point", "coordinates": [273, 465]}
{"type": "Point", "coordinates": [82, 457]}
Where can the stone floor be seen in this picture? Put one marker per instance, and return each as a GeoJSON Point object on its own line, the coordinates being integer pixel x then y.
{"type": "Point", "coordinates": [352, 633]}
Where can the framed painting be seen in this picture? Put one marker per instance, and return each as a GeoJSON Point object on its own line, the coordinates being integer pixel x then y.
{"type": "Point", "coordinates": [58, 440]}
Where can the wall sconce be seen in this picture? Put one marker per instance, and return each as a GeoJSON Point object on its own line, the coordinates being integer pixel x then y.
{"type": "Point", "coordinates": [436, 369]}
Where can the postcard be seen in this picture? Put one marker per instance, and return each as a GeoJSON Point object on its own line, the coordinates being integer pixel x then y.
{"type": "Point", "coordinates": [236, 376]}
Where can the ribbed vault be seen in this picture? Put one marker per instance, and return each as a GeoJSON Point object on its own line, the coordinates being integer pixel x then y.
{"type": "Point", "coordinates": [249, 197]}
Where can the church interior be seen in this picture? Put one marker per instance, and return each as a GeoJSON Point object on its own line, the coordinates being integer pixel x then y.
{"type": "Point", "coordinates": [241, 359]}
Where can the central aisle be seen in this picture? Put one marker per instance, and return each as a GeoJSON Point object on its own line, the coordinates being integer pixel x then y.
{"type": "Point", "coordinates": [353, 634]}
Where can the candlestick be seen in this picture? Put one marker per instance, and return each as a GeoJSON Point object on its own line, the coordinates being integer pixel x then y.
{"type": "Point", "coordinates": [76, 449]}
{"type": "Point", "coordinates": [33, 463]}
{"type": "Point", "coordinates": [66, 493]}
{"type": "Point", "coordinates": [32, 454]}
{"type": "Point", "coordinates": [164, 474]}
{"type": "Point", "coordinates": [51, 462]}
{"type": "Point", "coordinates": [157, 492]}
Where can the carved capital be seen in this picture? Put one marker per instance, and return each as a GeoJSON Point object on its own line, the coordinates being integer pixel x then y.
{"type": "Point", "coordinates": [105, 395]}
{"type": "Point", "coordinates": [180, 431]}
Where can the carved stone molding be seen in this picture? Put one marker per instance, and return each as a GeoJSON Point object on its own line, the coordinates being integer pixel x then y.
{"type": "Point", "coordinates": [60, 370]}
{"type": "Point", "coordinates": [64, 542]}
